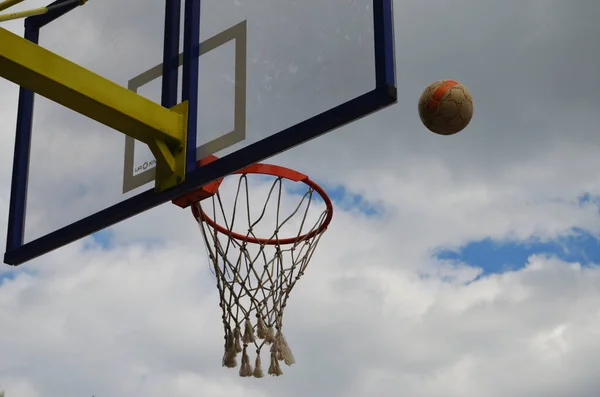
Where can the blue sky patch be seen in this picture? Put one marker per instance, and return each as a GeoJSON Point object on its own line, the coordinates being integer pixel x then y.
{"type": "Point", "coordinates": [102, 239]}
{"type": "Point", "coordinates": [9, 275]}
{"type": "Point", "coordinates": [348, 201]}
{"type": "Point", "coordinates": [501, 256]}
{"type": "Point", "coordinates": [343, 199]}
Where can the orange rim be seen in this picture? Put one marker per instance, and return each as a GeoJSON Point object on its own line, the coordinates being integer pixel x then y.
{"type": "Point", "coordinates": [280, 172]}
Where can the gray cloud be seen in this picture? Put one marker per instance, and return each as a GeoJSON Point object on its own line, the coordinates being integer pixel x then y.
{"type": "Point", "coordinates": [142, 317]}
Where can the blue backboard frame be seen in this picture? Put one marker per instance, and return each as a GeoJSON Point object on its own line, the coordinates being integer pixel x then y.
{"type": "Point", "coordinates": [383, 95]}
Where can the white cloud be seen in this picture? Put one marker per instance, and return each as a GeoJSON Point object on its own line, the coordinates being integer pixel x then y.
{"type": "Point", "coordinates": [375, 314]}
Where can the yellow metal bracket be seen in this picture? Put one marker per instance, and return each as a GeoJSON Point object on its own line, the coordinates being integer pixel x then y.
{"type": "Point", "coordinates": [35, 11]}
{"type": "Point", "coordinates": [8, 3]}
{"type": "Point", "coordinates": [71, 85]}
{"type": "Point", "coordinates": [171, 160]}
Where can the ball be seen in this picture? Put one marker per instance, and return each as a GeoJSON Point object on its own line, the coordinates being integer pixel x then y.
{"type": "Point", "coordinates": [446, 107]}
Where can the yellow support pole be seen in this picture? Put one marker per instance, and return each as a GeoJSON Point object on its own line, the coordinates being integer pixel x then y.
{"type": "Point", "coordinates": [71, 85]}
{"type": "Point", "coordinates": [36, 11]}
{"type": "Point", "coordinates": [9, 3]}
{"type": "Point", "coordinates": [23, 14]}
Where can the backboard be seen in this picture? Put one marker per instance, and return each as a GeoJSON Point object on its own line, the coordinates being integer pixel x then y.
{"type": "Point", "coordinates": [261, 76]}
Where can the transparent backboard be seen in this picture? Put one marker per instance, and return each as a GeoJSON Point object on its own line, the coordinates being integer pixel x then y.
{"type": "Point", "coordinates": [262, 77]}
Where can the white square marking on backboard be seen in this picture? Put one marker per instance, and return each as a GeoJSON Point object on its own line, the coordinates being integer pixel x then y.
{"type": "Point", "coordinates": [140, 172]}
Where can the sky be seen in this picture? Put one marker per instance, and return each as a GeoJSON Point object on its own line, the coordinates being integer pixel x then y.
{"type": "Point", "coordinates": [465, 265]}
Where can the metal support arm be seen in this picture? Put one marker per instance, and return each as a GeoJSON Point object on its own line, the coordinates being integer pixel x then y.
{"type": "Point", "coordinates": [71, 85]}
{"type": "Point", "coordinates": [36, 11]}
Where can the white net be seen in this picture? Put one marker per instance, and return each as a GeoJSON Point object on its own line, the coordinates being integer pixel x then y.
{"type": "Point", "coordinates": [255, 274]}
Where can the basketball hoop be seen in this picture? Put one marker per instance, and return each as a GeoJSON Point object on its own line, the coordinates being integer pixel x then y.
{"type": "Point", "coordinates": [256, 273]}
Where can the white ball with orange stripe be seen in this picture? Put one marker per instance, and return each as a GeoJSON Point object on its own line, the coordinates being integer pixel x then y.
{"type": "Point", "coordinates": [446, 107]}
